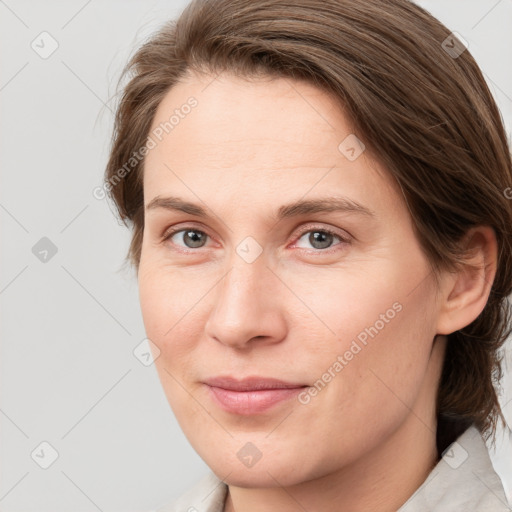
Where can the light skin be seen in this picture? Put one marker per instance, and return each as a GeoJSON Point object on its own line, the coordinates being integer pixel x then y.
{"type": "Point", "coordinates": [250, 147]}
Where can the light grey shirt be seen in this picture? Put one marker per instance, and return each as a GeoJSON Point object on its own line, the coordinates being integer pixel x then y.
{"type": "Point", "coordinates": [462, 481]}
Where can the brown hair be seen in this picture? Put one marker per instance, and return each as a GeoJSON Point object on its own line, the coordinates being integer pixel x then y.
{"type": "Point", "coordinates": [427, 113]}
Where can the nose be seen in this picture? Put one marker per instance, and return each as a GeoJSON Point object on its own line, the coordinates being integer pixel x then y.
{"type": "Point", "coordinates": [248, 307]}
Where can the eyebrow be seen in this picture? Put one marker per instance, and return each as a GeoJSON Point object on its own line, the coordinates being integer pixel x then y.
{"type": "Point", "coordinates": [297, 208]}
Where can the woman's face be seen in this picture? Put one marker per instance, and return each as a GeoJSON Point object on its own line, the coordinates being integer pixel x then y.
{"type": "Point", "coordinates": [293, 308]}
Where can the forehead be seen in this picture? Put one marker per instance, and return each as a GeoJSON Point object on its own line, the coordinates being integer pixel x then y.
{"type": "Point", "coordinates": [291, 120]}
{"type": "Point", "coordinates": [260, 135]}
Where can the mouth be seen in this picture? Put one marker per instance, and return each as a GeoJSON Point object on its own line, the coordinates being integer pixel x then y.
{"type": "Point", "coordinates": [252, 395]}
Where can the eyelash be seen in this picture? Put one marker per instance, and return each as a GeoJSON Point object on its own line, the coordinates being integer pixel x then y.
{"type": "Point", "coordinates": [343, 240]}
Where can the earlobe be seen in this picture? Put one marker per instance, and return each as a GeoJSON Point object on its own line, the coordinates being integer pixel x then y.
{"type": "Point", "coordinates": [465, 292]}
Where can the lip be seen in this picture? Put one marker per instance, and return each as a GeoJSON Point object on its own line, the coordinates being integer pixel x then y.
{"type": "Point", "coordinates": [251, 395]}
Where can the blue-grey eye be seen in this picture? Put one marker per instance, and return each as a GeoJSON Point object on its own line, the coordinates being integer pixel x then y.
{"type": "Point", "coordinates": [191, 238]}
{"type": "Point", "coordinates": [319, 239]}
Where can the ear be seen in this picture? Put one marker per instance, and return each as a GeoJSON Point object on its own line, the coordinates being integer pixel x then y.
{"type": "Point", "coordinates": [464, 293]}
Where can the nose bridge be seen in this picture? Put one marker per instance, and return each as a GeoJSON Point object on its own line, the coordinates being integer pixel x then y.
{"type": "Point", "coordinates": [243, 307]}
{"type": "Point", "coordinates": [240, 291]}
{"type": "Point", "coordinates": [247, 269]}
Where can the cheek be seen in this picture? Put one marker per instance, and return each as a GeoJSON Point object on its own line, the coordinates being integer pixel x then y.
{"type": "Point", "coordinates": [174, 304]}
{"type": "Point", "coordinates": [170, 299]}
{"type": "Point", "coordinates": [343, 305]}
{"type": "Point", "coordinates": [372, 337]}
{"type": "Point", "coordinates": [170, 321]}
{"type": "Point", "coordinates": [384, 359]}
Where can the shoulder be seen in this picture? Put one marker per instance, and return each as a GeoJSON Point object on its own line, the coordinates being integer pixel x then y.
{"type": "Point", "coordinates": [464, 479]}
{"type": "Point", "coordinates": [207, 495]}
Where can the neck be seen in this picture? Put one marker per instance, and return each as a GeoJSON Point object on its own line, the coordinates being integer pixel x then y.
{"type": "Point", "coordinates": [383, 479]}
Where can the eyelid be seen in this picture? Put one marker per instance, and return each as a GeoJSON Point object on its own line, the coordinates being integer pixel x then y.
{"type": "Point", "coordinates": [184, 225]}
{"type": "Point", "coordinates": [342, 234]}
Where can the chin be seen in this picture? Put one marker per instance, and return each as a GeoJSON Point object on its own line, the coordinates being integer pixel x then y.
{"type": "Point", "coordinates": [261, 477]}
{"type": "Point", "coordinates": [271, 470]}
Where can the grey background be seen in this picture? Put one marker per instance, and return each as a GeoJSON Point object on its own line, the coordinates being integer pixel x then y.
{"type": "Point", "coordinates": [69, 325]}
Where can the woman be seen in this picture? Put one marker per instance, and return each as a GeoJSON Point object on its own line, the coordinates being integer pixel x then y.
{"type": "Point", "coordinates": [322, 238]}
